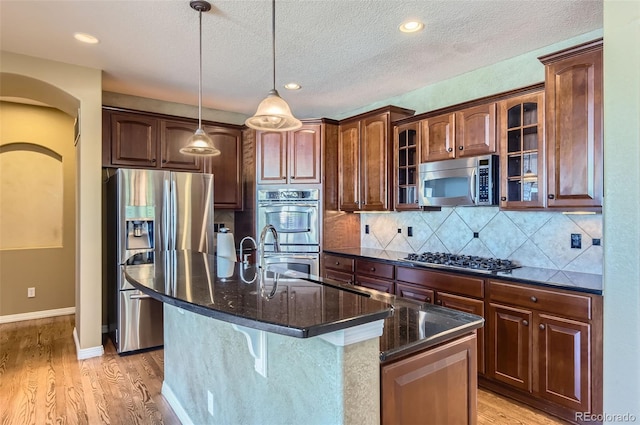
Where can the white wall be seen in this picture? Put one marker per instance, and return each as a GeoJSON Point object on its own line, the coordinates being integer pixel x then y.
{"type": "Point", "coordinates": [622, 208]}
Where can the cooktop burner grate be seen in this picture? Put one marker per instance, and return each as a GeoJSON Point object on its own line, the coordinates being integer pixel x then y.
{"type": "Point", "coordinates": [446, 260]}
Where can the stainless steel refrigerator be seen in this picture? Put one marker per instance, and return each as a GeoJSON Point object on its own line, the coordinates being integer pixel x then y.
{"type": "Point", "coordinates": [147, 211]}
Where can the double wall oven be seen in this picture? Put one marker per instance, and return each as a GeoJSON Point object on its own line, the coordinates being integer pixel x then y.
{"type": "Point", "coordinates": [295, 213]}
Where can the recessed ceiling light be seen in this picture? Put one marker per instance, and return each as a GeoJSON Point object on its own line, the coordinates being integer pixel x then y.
{"type": "Point", "coordinates": [292, 86]}
{"type": "Point", "coordinates": [411, 26]}
{"type": "Point", "coordinates": [85, 38]}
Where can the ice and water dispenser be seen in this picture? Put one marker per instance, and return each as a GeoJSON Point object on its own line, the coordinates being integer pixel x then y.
{"type": "Point", "coordinates": [139, 227]}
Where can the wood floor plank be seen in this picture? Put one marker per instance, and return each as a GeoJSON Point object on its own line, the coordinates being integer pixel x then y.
{"type": "Point", "coordinates": [42, 382]}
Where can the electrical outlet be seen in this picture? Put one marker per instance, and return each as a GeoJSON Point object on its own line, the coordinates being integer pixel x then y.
{"type": "Point", "coordinates": [576, 240]}
{"type": "Point", "coordinates": [409, 231]}
{"type": "Point", "coordinates": [366, 229]}
{"type": "Point", "coordinates": [399, 230]}
{"type": "Point", "coordinates": [216, 227]}
{"type": "Point", "coordinates": [476, 234]}
{"type": "Point", "coordinates": [31, 292]}
{"type": "Point", "coordinates": [596, 242]}
{"type": "Point", "coordinates": [210, 402]}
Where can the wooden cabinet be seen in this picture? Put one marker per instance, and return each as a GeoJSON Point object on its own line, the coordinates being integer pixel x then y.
{"type": "Point", "coordinates": [541, 342]}
{"type": "Point", "coordinates": [468, 132]}
{"type": "Point", "coordinates": [153, 141]}
{"type": "Point", "coordinates": [226, 167]}
{"type": "Point", "coordinates": [522, 165]}
{"type": "Point", "coordinates": [406, 149]}
{"type": "Point", "coordinates": [574, 126]}
{"type": "Point", "coordinates": [437, 386]}
{"type": "Point", "coordinates": [375, 275]}
{"type": "Point", "coordinates": [463, 293]}
{"type": "Point", "coordinates": [364, 160]}
{"type": "Point", "coordinates": [338, 268]}
{"type": "Point", "coordinates": [291, 157]}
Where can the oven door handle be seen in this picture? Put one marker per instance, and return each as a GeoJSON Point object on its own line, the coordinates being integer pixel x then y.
{"type": "Point", "coordinates": [279, 256]}
{"type": "Point", "coordinates": [288, 204]}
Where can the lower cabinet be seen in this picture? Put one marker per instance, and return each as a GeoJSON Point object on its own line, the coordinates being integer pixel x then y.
{"type": "Point", "coordinates": [437, 386]}
{"type": "Point", "coordinates": [541, 342]}
{"type": "Point", "coordinates": [375, 275]}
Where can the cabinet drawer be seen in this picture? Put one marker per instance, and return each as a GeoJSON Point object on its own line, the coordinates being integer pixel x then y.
{"type": "Point", "coordinates": [414, 292]}
{"type": "Point", "coordinates": [377, 284]}
{"type": "Point", "coordinates": [562, 303]}
{"type": "Point", "coordinates": [373, 268]}
{"type": "Point", "coordinates": [339, 276]}
{"type": "Point", "coordinates": [461, 285]}
{"type": "Point", "coordinates": [338, 263]}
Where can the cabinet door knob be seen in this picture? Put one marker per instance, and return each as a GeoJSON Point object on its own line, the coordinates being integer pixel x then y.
{"type": "Point", "coordinates": [503, 198]}
{"type": "Point", "coordinates": [428, 299]}
{"type": "Point", "coordinates": [439, 302]}
{"type": "Point", "coordinates": [541, 326]}
{"type": "Point", "coordinates": [450, 150]}
{"type": "Point", "coordinates": [460, 147]}
{"type": "Point", "coordinates": [551, 196]}
{"type": "Point", "coordinates": [525, 322]}
{"type": "Point", "coordinates": [153, 160]}
{"type": "Point", "coordinates": [373, 269]}
{"type": "Point", "coordinates": [337, 263]}
{"type": "Point", "coordinates": [164, 161]}
{"type": "Point", "coordinates": [534, 300]}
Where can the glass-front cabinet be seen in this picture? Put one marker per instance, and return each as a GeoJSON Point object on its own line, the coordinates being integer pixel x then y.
{"type": "Point", "coordinates": [406, 145]}
{"type": "Point", "coordinates": [521, 131]}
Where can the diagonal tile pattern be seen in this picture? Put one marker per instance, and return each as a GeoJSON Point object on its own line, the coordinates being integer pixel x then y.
{"type": "Point", "coordinates": [533, 238]}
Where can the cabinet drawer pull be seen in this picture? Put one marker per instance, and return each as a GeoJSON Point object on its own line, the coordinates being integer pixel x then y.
{"type": "Point", "coordinates": [541, 326]}
{"type": "Point", "coordinates": [439, 302]}
{"type": "Point", "coordinates": [428, 299]}
{"type": "Point", "coordinates": [525, 322]}
{"type": "Point", "coordinates": [373, 269]}
{"type": "Point", "coordinates": [460, 147]}
{"type": "Point", "coordinates": [337, 263]}
{"type": "Point", "coordinates": [503, 198]}
{"type": "Point", "coordinates": [450, 150]}
{"type": "Point", "coordinates": [164, 161]}
{"type": "Point", "coordinates": [153, 160]}
{"type": "Point", "coordinates": [551, 196]}
{"type": "Point", "coordinates": [534, 299]}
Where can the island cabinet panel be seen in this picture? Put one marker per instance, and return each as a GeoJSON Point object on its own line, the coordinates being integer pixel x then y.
{"type": "Point", "coordinates": [226, 167]}
{"type": "Point", "coordinates": [574, 126]}
{"type": "Point", "coordinates": [174, 135]}
{"type": "Point", "coordinates": [305, 303]}
{"type": "Point", "coordinates": [436, 387]}
{"type": "Point", "coordinates": [133, 140]}
{"type": "Point", "coordinates": [510, 346]}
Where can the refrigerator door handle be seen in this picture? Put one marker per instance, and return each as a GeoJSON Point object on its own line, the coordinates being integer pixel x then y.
{"type": "Point", "coordinates": [166, 215]}
{"type": "Point", "coordinates": [139, 297]}
{"type": "Point", "coordinates": [174, 216]}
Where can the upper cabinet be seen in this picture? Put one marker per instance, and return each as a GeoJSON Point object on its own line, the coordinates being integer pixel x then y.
{"type": "Point", "coordinates": [574, 130]}
{"type": "Point", "coordinates": [226, 167]}
{"type": "Point", "coordinates": [364, 160]}
{"type": "Point", "coordinates": [521, 135]}
{"type": "Point", "coordinates": [291, 157]}
{"type": "Point", "coordinates": [153, 141]}
{"type": "Point", "coordinates": [407, 154]}
{"type": "Point", "coordinates": [141, 140]}
{"type": "Point", "coordinates": [467, 132]}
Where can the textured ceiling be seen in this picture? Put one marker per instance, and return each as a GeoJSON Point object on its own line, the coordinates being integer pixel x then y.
{"type": "Point", "coordinates": [344, 53]}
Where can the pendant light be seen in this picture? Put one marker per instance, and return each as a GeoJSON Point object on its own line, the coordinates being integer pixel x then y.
{"type": "Point", "coordinates": [273, 113]}
{"type": "Point", "coordinates": [200, 144]}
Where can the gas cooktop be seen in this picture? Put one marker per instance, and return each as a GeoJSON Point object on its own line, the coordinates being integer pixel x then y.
{"type": "Point", "coordinates": [456, 261]}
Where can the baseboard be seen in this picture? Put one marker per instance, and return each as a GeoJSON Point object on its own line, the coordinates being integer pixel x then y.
{"type": "Point", "coordinates": [175, 404]}
{"type": "Point", "coordinates": [86, 353]}
{"type": "Point", "coordinates": [37, 315]}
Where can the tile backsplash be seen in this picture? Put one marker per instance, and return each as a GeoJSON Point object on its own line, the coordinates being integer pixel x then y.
{"type": "Point", "coordinates": [532, 238]}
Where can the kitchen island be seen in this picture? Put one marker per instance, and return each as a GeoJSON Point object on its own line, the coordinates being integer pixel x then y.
{"type": "Point", "coordinates": [247, 346]}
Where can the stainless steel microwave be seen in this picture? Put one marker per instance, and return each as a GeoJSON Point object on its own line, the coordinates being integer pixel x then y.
{"type": "Point", "coordinates": [458, 182]}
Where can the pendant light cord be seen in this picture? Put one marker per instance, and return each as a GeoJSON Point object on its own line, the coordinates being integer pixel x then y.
{"type": "Point", "coordinates": [200, 73]}
{"type": "Point", "coordinates": [273, 39]}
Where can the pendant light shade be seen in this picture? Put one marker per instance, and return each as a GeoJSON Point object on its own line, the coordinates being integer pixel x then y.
{"type": "Point", "coordinates": [273, 112]}
{"type": "Point", "coordinates": [200, 144]}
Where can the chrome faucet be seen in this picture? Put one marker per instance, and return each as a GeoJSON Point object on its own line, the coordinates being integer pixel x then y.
{"type": "Point", "coordinates": [276, 245]}
{"type": "Point", "coordinates": [243, 256]}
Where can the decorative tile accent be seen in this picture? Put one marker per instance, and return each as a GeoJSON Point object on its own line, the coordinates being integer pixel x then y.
{"type": "Point", "coordinates": [532, 238]}
{"type": "Point", "coordinates": [501, 236]}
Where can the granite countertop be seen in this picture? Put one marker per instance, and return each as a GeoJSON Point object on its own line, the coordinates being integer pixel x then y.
{"type": "Point", "coordinates": [300, 305]}
{"type": "Point", "coordinates": [579, 282]}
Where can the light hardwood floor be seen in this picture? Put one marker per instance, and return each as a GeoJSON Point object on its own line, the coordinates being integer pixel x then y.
{"type": "Point", "coordinates": [42, 382]}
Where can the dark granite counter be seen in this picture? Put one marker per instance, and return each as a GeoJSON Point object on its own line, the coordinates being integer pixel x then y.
{"type": "Point", "coordinates": [300, 305]}
{"type": "Point", "coordinates": [228, 291]}
{"type": "Point", "coordinates": [579, 282]}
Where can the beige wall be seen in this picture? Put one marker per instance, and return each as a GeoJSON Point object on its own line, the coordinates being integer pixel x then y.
{"type": "Point", "coordinates": [67, 87]}
{"type": "Point", "coordinates": [37, 209]}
